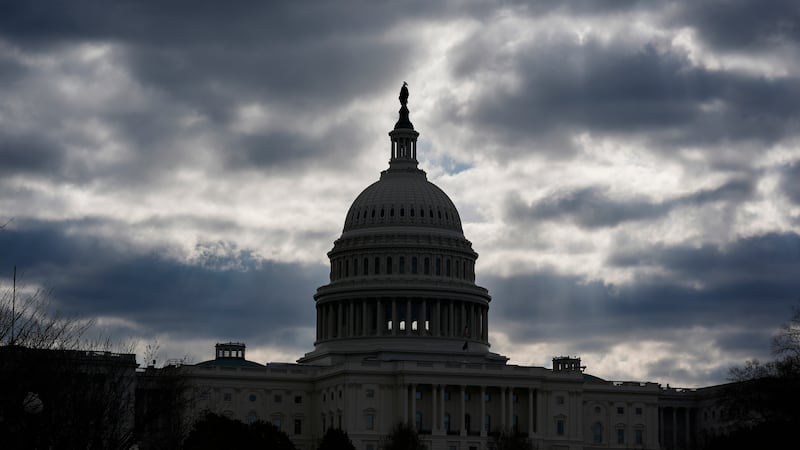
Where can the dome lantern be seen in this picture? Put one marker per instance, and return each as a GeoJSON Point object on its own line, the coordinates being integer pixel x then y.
{"type": "Point", "coordinates": [403, 137]}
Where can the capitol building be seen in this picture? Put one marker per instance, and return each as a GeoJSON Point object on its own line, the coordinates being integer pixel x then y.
{"type": "Point", "coordinates": [402, 335]}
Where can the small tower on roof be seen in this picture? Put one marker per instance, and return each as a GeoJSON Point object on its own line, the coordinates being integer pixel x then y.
{"type": "Point", "coordinates": [403, 137]}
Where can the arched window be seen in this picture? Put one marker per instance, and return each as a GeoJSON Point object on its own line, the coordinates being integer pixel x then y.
{"type": "Point", "coordinates": [355, 266]}
{"type": "Point", "coordinates": [427, 266]}
{"type": "Point", "coordinates": [377, 265]}
{"type": "Point", "coordinates": [411, 210]}
{"type": "Point", "coordinates": [438, 266]}
{"type": "Point", "coordinates": [414, 264]}
{"type": "Point", "coordinates": [373, 212]}
{"type": "Point", "coordinates": [366, 266]}
{"type": "Point", "coordinates": [391, 212]}
{"type": "Point", "coordinates": [422, 212]}
{"type": "Point", "coordinates": [401, 265]}
{"type": "Point", "coordinates": [389, 265]}
{"type": "Point", "coordinates": [402, 212]}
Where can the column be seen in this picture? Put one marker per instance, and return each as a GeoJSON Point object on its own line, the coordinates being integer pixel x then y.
{"type": "Point", "coordinates": [463, 318]}
{"type": "Point", "coordinates": [437, 324]}
{"type": "Point", "coordinates": [423, 314]}
{"type": "Point", "coordinates": [451, 316]}
{"type": "Point", "coordinates": [340, 320]}
{"type": "Point", "coordinates": [485, 323]}
{"type": "Point", "coordinates": [688, 432]}
{"type": "Point", "coordinates": [541, 413]}
{"type": "Point", "coordinates": [483, 411]}
{"type": "Point", "coordinates": [660, 426]}
{"type": "Point", "coordinates": [408, 317]}
{"type": "Point", "coordinates": [378, 317]}
{"type": "Point", "coordinates": [404, 391]}
{"type": "Point", "coordinates": [394, 317]}
{"type": "Point", "coordinates": [674, 427]}
{"type": "Point", "coordinates": [351, 328]}
{"type": "Point", "coordinates": [364, 317]}
{"type": "Point", "coordinates": [510, 407]}
{"type": "Point", "coordinates": [530, 412]}
{"type": "Point", "coordinates": [434, 416]}
{"type": "Point", "coordinates": [503, 425]}
{"type": "Point", "coordinates": [463, 431]}
{"type": "Point", "coordinates": [414, 405]}
{"type": "Point", "coordinates": [439, 419]}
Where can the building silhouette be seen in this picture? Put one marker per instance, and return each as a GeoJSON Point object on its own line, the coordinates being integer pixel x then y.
{"type": "Point", "coordinates": [402, 335]}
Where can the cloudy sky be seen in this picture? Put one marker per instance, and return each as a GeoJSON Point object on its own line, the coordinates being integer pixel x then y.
{"type": "Point", "coordinates": [628, 171]}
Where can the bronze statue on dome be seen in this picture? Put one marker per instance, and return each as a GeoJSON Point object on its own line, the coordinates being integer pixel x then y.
{"type": "Point", "coordinates": [404, 94]}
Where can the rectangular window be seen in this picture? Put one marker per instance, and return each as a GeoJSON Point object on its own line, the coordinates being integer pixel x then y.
{"type": "Point", "coordinates": [487, 397]}
{"type": "Point", "coordinates": [446, 395]}
{"type": "Point", "coordinates": [227, 397]}
{"type": "Point", "coordinates": [277, 422]}
{"type": "Point", "coordinates": [377, 265]}
{"type": "Point", "coordinates": [620, 410]}
{"type": "Point", "coordinates": [466, 396]}
{"type": "Point", "coordinates": [620, 436]}
{"type": "Point", "coordinates": [418, 395]}
{"type": "Point", "coordinates": [447, 268]}
{"type": "Point", "coordinates": [438, 266]}
{"type": "Point", "coordinates": [347, 268]}
{"type": "Point", "coordinates": [298, 426]}
{"type": "Point", "coordinates": [560, 399]}
{"type": "Point", "coordinates": [427, 266]}
{"type": "Point", "coordinates": [638, 411]}
{"type": "Point", "coordinates": [277, 399]}
{"type": "Point", "coordinates": [298, 399]}
{"type": "Point", "coordinates": [355, 266]}
{"type": "Point", "coordinates": [401, 267]}
{"type": "Point", "coordinates": [414, 264]}
{"type": "Point", "coordinates": [639, 436]}
{"type": "Point", "coordinates": [389, 265]}
{"type": "Point", "coordinates": [366, 266]}
{"type": "Point", "coordinates": [370, 421]}
{"type": "Point", "coordinates": [560, 427]}
{"type": "Point", "coordinates": [514, 398]}
{"type": "Point", "coordinates": [370, 393]}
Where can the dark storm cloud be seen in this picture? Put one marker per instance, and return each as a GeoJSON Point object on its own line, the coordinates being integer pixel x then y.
{"type": "Point", "coordinates": [618, 88]}
{"type": "Point", "coordinates": [790, 181]}
{"type": "Point", "coordinates": [225, 294]}
{"type": "Point", "coordinates": [742, 24]}
{"type": "Point", "coordinates": [593, 207]}
{"type": "Point", "coordinates": [23, 153]}
{"type": "Point", "coordinates": [745, 291]}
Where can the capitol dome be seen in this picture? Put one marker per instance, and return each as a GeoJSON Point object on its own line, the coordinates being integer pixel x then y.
{"type": "Point", "coordinates": [402, 279]}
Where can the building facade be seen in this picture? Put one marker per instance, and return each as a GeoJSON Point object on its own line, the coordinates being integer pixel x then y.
{"type": "Point", "coordinates": [403, 336]}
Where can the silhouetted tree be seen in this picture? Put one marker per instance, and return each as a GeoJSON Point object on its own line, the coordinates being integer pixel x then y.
{"type": "Point", "coordinates": [402, 437]}
{"type": "Point", "coordinates": [761, 402]}
{"type": "Point", "coordinates": [336, 439]}
{"type": "Point", "coordinates": [56, 389]}
{"type": "Point", "coordinates": [214, 432]}
{"type": "Point", "coordinates": [506, 440]}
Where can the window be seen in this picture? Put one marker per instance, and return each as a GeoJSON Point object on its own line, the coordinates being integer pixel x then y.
{"type": "Point", "coordinates": [366, 266]}
{"type": "Point", "coordinates": [597, 433]}
{"type": "Point", "coordinates": [226, 396]}
{"type": "Point", "coordinates": [487, 423]}
{"type": "Point", "coordinates": [446, 395]}
{"type": "Point", "coordinates": [639, 437]}
{"type": "Point", "coordinates": [487, 397]}
{"type": "Point", "coordinates": [620, 410]}
{"type": "Point", "coordinates": [438, 266]}
{"type": "Point", "coordinates": [638, 411]}
{"type": "Point", "coordinates": [446, 422]}
{"type": "Point", "coordinates": [418, 395]}
{"type": "Point", "coordinates": [418, 421]}
{"type": "Point", "coordinates": [339, 422]}
{"type": "Point", "coordinates": [447, 268]}
{"type": "Point", "coordinates": [466, 396]}
{"type": "Point", "coordinates": [277, 422]}
{"type": "Point", "coordinates": [389, 265]}
{"type": "Point", "coordinates": [597, 410]}
{"type": "Point", "coordinates": [620, 436]}
{"type": "Point", "coordinates": [515, 424]}
{"type": "Point", "coordinates": [355, 266]}
{"type": "Point", "coordinates": [402, 212]}
{"type": "Point", "coordinates": [340, 394]}
{"type": "Point", "coordinates": [560, 427]}
{"type": "Point", "coordinates": [401, 266]}
{"type": "Point", "coordinates": [323, 401]}
{"type": "Point", "coordinates": [298, 399]}
{"type": "Point", "coordinates": [370, 421]}
{"type": "Point", "coordinates": [413, 264]}
{"type": "Point", "coordinates": [298, 426]}
{"type": "Point", "coordinates": [391, 212]}
{"type": "Point", "coordinates": [323, 423]}
{"type": "Point", "coordinates": [252, 397]}
{"type": "Point", "coordinates": [370, 393]}
{"type": "Point", "coordinates": [277, 398]}
{"type": "Point", "coordinates": [467, 422]}
{"type": "Point", "coordinates": [427, 266]}
{"type": "Point", "coordinates": [347, 268]}
{"type": "Point", "coordinates": [514, 398]}
{"type": "Point", "coordinates": [560, 399]}
{"type": "Point", "coordinates": [382, 212]}
{"type": "Point", "coordinates": [377, 265]}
